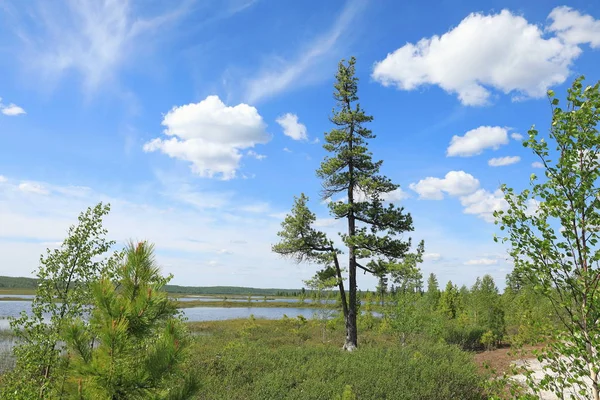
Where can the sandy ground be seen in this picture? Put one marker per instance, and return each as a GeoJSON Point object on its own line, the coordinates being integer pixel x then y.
{"type": "Point", "coordinates": [538, 373]}
{"type": "Point", "coordinates": [501, 361]}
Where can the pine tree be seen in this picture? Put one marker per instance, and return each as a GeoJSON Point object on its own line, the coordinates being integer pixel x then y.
{"type": "Point", "coordinates": [486, 306]}
{"type": "Point", "coordinates": [135, 344]}
{"type": "Point", "coordinates": [433, 291]}
{"type": "Point", "coordinates": [450, 301]}
{"type": "Point", "coordinates": [351, 173]}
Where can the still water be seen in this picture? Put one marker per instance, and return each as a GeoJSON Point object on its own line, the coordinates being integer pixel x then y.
{"type": "Point", "coordinates": [194, 314]}
{"type": "Point", "coordinates": [253, 299]}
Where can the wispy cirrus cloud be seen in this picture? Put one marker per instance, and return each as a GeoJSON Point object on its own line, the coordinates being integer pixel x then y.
{"type": "Point", "coordinates": [93, 38]}
{"type": "Point", "coordinates": [277, 78]}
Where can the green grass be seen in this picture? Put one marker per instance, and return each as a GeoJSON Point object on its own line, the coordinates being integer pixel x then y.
{"type": "Point", "coordinates": [303, 359]}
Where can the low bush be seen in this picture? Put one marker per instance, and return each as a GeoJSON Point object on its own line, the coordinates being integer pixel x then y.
{"type": "Point", "coordinates": [466, 337]}
{"type": "Point", "coordinates": [251, 369]}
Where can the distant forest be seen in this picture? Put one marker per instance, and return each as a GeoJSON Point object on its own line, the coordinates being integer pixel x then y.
{"type": "Point", "coordinates": [10, 282]}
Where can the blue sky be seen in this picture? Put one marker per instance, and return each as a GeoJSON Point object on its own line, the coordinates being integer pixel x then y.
{"type": "Point", "coordinates": [200, 120]}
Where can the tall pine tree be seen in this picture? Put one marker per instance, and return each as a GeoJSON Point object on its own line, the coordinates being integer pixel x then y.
{"type": "Point", "coordinates": [350, 173]}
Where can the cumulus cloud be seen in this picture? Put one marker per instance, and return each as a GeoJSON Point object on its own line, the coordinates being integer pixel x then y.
{"type": "Point", "coordinates": [395, 196]}
{"type": "Point", "coordinates": [574, 28]}
{"type": "Point", "coordinates": [12, 110]}
{"type": "Point", "coordinates": [291, 126]}
{"type": "Point", "coordinates": [476, 201]}
{"type": "Point", "coordinates": [500, 51]}
{"type": "Point", "coordinates": [502, 161]}
{"type": "Point", "coordinates": [537, 164]}
{"type": "Point", "coordinates": [516, 136]}
{"type": "Point", "coordinates": [482, 261]}
{"type": "Point", "coordinates": [3, 179]}
{"type": "Point", "coordinates": [483, 203]}
{"type": "Point", "coordinates": [476, 140]}
{"type": "Point", "coordinates": [455, 183]}
{"type": "Point", "coordinates": [210, 135]}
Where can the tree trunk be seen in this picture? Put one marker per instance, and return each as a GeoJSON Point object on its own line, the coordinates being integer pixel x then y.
{"type": "Point", "coordinates": [338, 271]}
{"type": "Point", "coordinates": [351, 329]}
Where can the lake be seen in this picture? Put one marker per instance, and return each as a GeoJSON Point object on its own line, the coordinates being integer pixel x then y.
{"type": "Point", "coordinates": [253, 299]}
{"type": "Point", "coordinates": [194, 314]}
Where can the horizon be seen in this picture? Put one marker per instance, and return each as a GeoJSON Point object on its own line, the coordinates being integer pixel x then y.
{"type": "Point", "coordinates": [200, 122]}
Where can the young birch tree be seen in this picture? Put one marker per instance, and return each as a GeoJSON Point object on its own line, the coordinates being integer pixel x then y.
{"type": "Point", "coordinates": [349, 172]}
{"type": "Point", "coordinates": [555, 247]}
{"type": "Point", "coordinates": [64, 278]}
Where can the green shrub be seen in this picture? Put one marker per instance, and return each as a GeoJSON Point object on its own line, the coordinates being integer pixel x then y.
{"type": "Point", "coordinates": [467, 337]}
{"type": "Point", "coordinates": [488, 340]}
{"type": "Point", "coordinates": [416, 371]}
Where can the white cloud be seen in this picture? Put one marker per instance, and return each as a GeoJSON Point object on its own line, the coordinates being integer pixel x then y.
{"type": "Point", "coordinates": [210, 136]}
{"type": "Point", "coordinates": [287, 150]}
{"type": "Point", "coordinates": [476, 201]}
{"type": "Point", "coordinates": [3, 179]}
{"type": "Point", "coordinates": [516, 136]}
{"type": "Point", "coordinates": [12, 110]}
{"type": "Point", "coordinates": [537, 164]}
{"type": "Point", "coordinates": [395, 196]}
{"type": "Point", "coordinates": [252, 153]}
{"type": "Point", "coordinates": [94, 38]}
{"type": "Point", "coordinates": [33, 187]}
{"type": "Point", "coordinates": [482, 261]}
{"type": "Point", "coordinates": [455, 183]}
{"type": "Point", "coordinates": [432, 256]}
{"type": "Point", "coordinates": [360, 196]}
{"type": "Point", "coordinates": [483, 203]}
{"type": "Point", "coordinates": [501, 51]}
{"type": "Point", "coordinates": [502, 161]}
{"type": "Point", "coordinates": [476, 140]}
{"type": "Point", "coordinates": [291, 126]}
{"type": "Point", "coordinates": [276, 79]}
{"type": "Point", "coordinates": [574, 28]}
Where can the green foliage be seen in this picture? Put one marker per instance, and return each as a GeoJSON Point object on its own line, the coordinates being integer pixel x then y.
{"type": "Point", "coordinates": [450, 301]}
{"type": "Point", "coordinates": [465, 335]}
{"type": "Point", "coordinates": [416, 371]}
{"type": "Point", "coordinates": [485, 307]}
{"type": "Point", "coordinates": [20, 282]}
{"type": "Point", "coordinates": [433, 292]}
{"type": "Point", "coordinates": [63, 295]}
{"type": "Point", "coordinates": [134, 345]}
{"type": "Point", "coordinates": [553, 231]}
{"type": "Point", "coordinates": [488, 340]}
